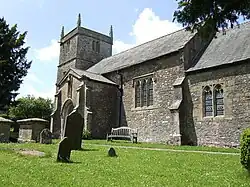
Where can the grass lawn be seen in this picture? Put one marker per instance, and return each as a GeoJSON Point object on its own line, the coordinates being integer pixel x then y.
{"type": "Point", "coordinates": [161, 146]}
{"type": "Point", "coordinates": [132, 167]}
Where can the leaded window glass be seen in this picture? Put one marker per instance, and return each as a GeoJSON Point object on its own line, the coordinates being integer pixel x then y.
{"type": "Point", "coordinates": [144, 93]}
{"type": "Point", "coordinates": [219, 101]}
{"type": "Point", "coordinates": [208, 102]}
{"type": "Point", "coordinates": [137, 94]}
{"type": "Point", "coordinates": [150, 92]}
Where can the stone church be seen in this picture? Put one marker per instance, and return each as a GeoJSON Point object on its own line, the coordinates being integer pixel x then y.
{"type": "Point", "coordinates": [179, 88]}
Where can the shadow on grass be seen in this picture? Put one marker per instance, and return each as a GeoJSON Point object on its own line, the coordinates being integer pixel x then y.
{"type": "Point", "coordinates": [84, 149]}
{"type": "Point", "coordinates": [71, 162]}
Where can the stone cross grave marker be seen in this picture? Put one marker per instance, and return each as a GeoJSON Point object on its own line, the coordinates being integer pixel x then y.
{"type": "Point", "coordinates": [46, 137]}
{"type": "Point", "coordinates": [73, 130]}
{"type": "Point", "coordinates": [64, 151]}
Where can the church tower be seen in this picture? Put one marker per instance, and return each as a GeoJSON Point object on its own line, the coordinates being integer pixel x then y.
{"type": "Point", "coordinates": [82, 48]}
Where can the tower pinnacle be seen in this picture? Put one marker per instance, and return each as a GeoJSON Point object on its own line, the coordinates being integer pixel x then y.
{"type": "Point", "coordinates": [62, 32]}
{"type": "Point", "coordinates": [111, 32]}
{"type": "Point", "coordinates": [79, 20]}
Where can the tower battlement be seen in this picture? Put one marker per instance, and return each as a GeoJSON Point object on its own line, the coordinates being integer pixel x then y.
{"type": "Point", "coordinates": [82, 48]}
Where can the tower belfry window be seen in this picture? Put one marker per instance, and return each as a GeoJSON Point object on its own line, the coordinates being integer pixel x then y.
{"type": "Point", "coordinates": [96, 46]}
{"type": "Point", "coordinates": [93, 45]}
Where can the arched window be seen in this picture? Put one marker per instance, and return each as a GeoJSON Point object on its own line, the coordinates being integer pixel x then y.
{"type": "Point", "coordinates": [150, 92]}
{"type": "Point", "coordinates": [144, 93]}
{"type": "Point", "coordinates": [137, 94]}
{"type": "Point", "coordinates": [208, 101]}
{"type": "Point", "coordinates": [218, 101]}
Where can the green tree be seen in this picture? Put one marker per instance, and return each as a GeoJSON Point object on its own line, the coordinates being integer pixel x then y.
{"type": "Point", "coordinates": [31, 107]}
{"type": "Point", "coordinates": [193, 14]}
{"type": "Point", "coordinates": [13, 62]}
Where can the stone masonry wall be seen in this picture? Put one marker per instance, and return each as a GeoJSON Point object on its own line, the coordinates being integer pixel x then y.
{"type": "Point", "coordinates": [154, 123]}
{"type": "Point", "coordinates": [102, 100]}
{"type": "Point", "coordinates": [86, 53]}
{"type": "Point", "coordinates": [62, 69]}
{"type": "Point", "coordinates": [76, 50]}
{"type": "Point", "coordinates": [220, 130]}
{"type": "Point", "coordinates": [59, 103]}
{"type": "Point", "coordinates": [5, 130]}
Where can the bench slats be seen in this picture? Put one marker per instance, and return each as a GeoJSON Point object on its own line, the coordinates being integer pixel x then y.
{"type": "Point", "coordinates": [123, 132]}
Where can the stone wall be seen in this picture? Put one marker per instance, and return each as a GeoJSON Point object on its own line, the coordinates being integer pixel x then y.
{"type": "Point", "coordinates": [60, 99]}
{"type": "Point", "coordinates": [30, 129]}
{"type": "Point", "coordinates": [101, 102]}
{"type": "Point", "coordinates": [76, 50]}
{"type": "Point", "coordinates": [63, 68]}
{"type": "Point", "coordinates": [5, 130]}
{"type": "Point", "coordinates": [220, 130]}
{"type": "Point", "coordinates": [154, 123]}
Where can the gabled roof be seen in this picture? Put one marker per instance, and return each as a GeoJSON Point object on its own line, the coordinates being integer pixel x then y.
{"type": "Point", "coordinates": [92, 76]}
{"type": "Point", "coordinates": [226, 49]}
{"type": "Point", "coordinates": [153, 49]}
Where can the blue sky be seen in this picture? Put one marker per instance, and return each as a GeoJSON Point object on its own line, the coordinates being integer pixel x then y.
{"type": "Point", "coordinates": [134, 22]}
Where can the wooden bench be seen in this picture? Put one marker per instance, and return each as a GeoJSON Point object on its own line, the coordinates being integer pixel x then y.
{"type": "Point", "coordinates": [123, 132]}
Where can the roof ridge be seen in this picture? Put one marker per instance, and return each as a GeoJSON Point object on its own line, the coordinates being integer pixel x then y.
{"type": "Point", "coordinates": [85, 71]}
{"type": "Point", "coordinates": [145, 43]}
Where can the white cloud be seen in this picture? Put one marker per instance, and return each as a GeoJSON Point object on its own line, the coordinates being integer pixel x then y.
{"type": "Point", "coordinates": [119, 46]}
{"type": "Point", "coordinates": [31, 82]}
{"type": "Point", "coordinates": [147, 27]}
{"type": "Point", "coordinates": [28, 89]}
{"type": "Point", "coordinates": [48, 53]}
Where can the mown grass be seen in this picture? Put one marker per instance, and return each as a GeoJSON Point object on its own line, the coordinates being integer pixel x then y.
{"type": "Point", "coordinates": [161, 146]}
{"type": "Point", "coordinates": [92, 167]}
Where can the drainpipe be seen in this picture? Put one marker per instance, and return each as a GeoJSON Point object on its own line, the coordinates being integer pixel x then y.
{"type": "Point", "coordinates": [121, 94]}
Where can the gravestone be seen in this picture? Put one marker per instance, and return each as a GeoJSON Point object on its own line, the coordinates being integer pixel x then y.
{"type": "Point", "coordinates": [73, 130]}
{"type": "Point", "coordinates": [64, 151]}
{"type": "Point", "coordinates": [46, 137]}
{"type": "Point", "coordinates": [112, 152]}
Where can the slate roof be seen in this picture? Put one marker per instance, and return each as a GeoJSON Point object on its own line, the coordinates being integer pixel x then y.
{"type": "Point", "coordinates": [144, 52]}
{"type": "Point", "coordinates": [92, 76]}
{"type": "Point", "coordinates": [226, 49]}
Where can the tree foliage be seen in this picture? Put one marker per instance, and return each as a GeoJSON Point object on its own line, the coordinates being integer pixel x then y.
{"type": "Point", "coordinates": [13, 62]}
{"type": "Point", "coordinates": [245, 149]}
{"type": "Point", "coordinates": [214, 13]}
{"type": "Point", "coordinates": [31, 107]}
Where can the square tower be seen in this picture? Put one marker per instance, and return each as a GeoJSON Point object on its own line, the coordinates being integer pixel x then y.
{"type": "Point", "coordinates": [82, 48]}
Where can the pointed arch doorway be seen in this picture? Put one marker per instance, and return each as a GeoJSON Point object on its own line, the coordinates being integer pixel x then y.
{"type": "Point", "coordinates": [67, 108]}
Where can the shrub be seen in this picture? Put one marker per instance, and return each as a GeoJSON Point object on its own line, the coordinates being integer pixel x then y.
{"type": "Point", "coordinates": [86, 135]}
{"type": "Point", "coordinates": [4, 115]}
{"type": "Point", "coordinates": [245, 149]}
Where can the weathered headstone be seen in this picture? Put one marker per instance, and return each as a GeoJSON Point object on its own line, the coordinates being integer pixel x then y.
{"type": "Point", "coordinates": [64, 151]}
{"type": "Point", "coordinates": [46, 137]}
{"type": "Point", "coordinates": [112, 152]}
{"type": "Point", "coordinates": [73, 130]}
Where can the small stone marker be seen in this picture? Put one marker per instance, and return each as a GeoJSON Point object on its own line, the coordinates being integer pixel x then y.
{"type": "Point", "coordinates": [46, 137]}
{"type": "Point", "coordinates": [64, 151]}
{"type": "Point", "coordinates": [112, 152]}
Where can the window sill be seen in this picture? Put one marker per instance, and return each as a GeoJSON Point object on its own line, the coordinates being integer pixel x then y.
{"type": "Point", "coordinates": [214, 117]}
{"type": "Point", "coordinates": [144, 108]}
